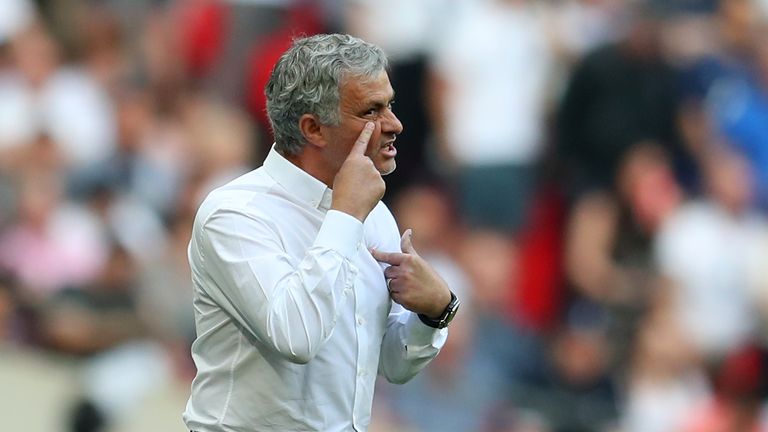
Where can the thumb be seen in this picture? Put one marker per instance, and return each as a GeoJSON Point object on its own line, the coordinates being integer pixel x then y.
{"type": "Point", "coordinates": [405, 242]}
{"type": "Point", "coordinates": [361, 145]}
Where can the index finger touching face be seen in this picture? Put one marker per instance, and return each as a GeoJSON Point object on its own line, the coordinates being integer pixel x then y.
{"type": "Point", "coordinates": [361, 144]}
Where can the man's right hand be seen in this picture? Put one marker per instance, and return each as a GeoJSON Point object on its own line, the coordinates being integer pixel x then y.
{"type": "Point", "coordinates": [358, 185]}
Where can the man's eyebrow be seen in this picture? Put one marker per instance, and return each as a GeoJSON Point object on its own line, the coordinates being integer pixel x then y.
{"type": "Point", "coordinates": [376, 104]}
{"type": "Point", "coordinates": [380, 104]}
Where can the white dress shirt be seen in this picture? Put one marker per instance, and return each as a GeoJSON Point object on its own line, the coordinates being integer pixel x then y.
{"type": "Point", "coordinates": [293, 317]}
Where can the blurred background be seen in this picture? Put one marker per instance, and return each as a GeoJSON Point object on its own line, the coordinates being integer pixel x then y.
{"type": "Point", "coordinates": [590, 176]}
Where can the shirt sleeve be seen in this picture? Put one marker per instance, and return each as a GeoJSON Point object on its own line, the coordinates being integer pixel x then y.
{"type": "Point", "coordinates": [290, 304]}
{"type": "Point", "coordinates": [408, 344]}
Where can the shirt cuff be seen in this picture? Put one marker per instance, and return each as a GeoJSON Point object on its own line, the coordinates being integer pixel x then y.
{"type": "Point", "coordinates": [342, 233]}
{"type": "Point", "coordinates": [420, 334]}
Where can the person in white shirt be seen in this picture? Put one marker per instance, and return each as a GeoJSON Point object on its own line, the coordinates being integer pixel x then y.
{"type": "Point", "coordinates": [303, 289]}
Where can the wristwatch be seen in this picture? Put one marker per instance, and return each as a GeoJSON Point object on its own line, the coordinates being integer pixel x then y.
{"type": "Point", "coordinates": [446, 317]}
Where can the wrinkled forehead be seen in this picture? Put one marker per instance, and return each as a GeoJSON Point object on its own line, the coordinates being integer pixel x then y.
{"type": "Point", "coordinates": [366, 92]}
{"type": "Point", "coordinates": [364, 78]}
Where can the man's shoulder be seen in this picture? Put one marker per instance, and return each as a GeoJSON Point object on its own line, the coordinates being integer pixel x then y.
{"type": "Point", "coordinates": [240, 194]}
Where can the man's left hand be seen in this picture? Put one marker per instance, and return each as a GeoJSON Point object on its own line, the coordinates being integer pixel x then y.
{"type": "Point", "coordinates": [412, 282]}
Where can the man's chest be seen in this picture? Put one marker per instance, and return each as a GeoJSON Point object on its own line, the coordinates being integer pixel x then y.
{"type": "Point", "coordinates": [367, 303]}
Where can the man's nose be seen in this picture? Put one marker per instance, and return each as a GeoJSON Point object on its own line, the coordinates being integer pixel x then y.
{"type": "Point", "coordinates": [391, 124]}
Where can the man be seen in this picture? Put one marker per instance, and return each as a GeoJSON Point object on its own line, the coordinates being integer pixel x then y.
{"type": "Point", "coordinates": [303, 288]}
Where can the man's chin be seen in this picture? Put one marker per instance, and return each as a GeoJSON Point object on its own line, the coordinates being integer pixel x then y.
{"type": "Point", "coordinates": [388, 168]}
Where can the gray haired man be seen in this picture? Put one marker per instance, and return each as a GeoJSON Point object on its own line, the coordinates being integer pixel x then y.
{"type": "Point", "coordinates": [304, 289]}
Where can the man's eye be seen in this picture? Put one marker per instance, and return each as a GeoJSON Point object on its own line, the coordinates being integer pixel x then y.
{"type": "Point", "coordinates": [371, 112]}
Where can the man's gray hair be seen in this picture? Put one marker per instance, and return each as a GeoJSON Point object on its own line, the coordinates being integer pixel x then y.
{"type": "Point", "coordinates": [307, 79]}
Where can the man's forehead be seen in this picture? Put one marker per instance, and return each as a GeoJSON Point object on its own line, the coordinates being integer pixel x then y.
{"type": "Point", "coordinates": [367, 88]}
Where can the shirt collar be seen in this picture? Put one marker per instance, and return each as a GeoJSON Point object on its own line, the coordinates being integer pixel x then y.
{"type": "Point", "coordinates": [297, 181]}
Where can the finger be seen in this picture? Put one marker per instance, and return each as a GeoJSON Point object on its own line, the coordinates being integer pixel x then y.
{"type": "Point", "coordinates": [406, 244]}
{"type": "Point", "coordinates": [396, 296]}
{"type": "Point", "coordinates": [392, 258]}
{"type": "Point", "coordinates": [391, 272]}
{"type": "Point", "coordinates": [361, 145]}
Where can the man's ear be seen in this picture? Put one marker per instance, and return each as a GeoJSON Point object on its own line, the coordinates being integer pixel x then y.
{"type": "Point", "coordinates": [311, 129]}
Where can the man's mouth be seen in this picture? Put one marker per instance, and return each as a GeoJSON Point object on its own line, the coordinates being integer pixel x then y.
{"type": "Point", "coordinates": [388, 149]}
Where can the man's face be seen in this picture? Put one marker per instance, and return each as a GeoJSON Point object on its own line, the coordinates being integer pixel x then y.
{"type": "Point", "coordinates": [363, 100]}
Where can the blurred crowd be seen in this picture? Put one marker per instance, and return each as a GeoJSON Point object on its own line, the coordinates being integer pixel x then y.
{"type": "Point", "coordinates": [590, 177]}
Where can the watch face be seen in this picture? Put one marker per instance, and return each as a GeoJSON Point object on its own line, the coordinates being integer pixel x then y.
{"type": "Point", "coordinates": [452, 309]}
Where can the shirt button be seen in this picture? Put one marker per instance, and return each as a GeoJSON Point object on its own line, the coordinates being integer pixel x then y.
{"type": "Point", "coordinates": [361, 373]}
{"type": "Point", "coordinates": [360, 320]}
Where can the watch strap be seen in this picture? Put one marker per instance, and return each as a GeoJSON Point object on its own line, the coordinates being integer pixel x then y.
{"type": "Point", "coordinates": [445, 318]}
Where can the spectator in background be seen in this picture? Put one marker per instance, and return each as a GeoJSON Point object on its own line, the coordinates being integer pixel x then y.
{"type": "Point", "coordinates": [573, 387]}
{"type": "Point", "coordinates": [714, 61]}
{"type": "Point", "coordinates": [222, 140]}
{"type": "Point", "coordinates": [509, 350]}
{"type": "Point", "coordinates": [708, 250]}
{"type": "Point", "coordinates": [103, 56]}
{"type": "Point", "coordinates": [489, 78]}
{"type": "Point", "coordinates": [738, 107]}
{"type": "Point", "coordinates": [133, 191]}
{"type": "Point", "coordinates": [738, 402]}
{"type": "Point", "coordinates": [666, 380]}
{"type": "Point", "coordinates": [609, 240]}
{"type": "Point", "coordinates": [618, 95]}
{"type": "Point", "coordinates": [688, 30]}
{"type": "Point", "coordinates": [51, 243]}
{"type": "Point", "coordinates": [39, 95]}
{"type": "Point", "coordinates": [101, 322]}
{"type": "Point", "coordinates": [96, 316]}
{"type": "Point", "coordinates": [584, 25]}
